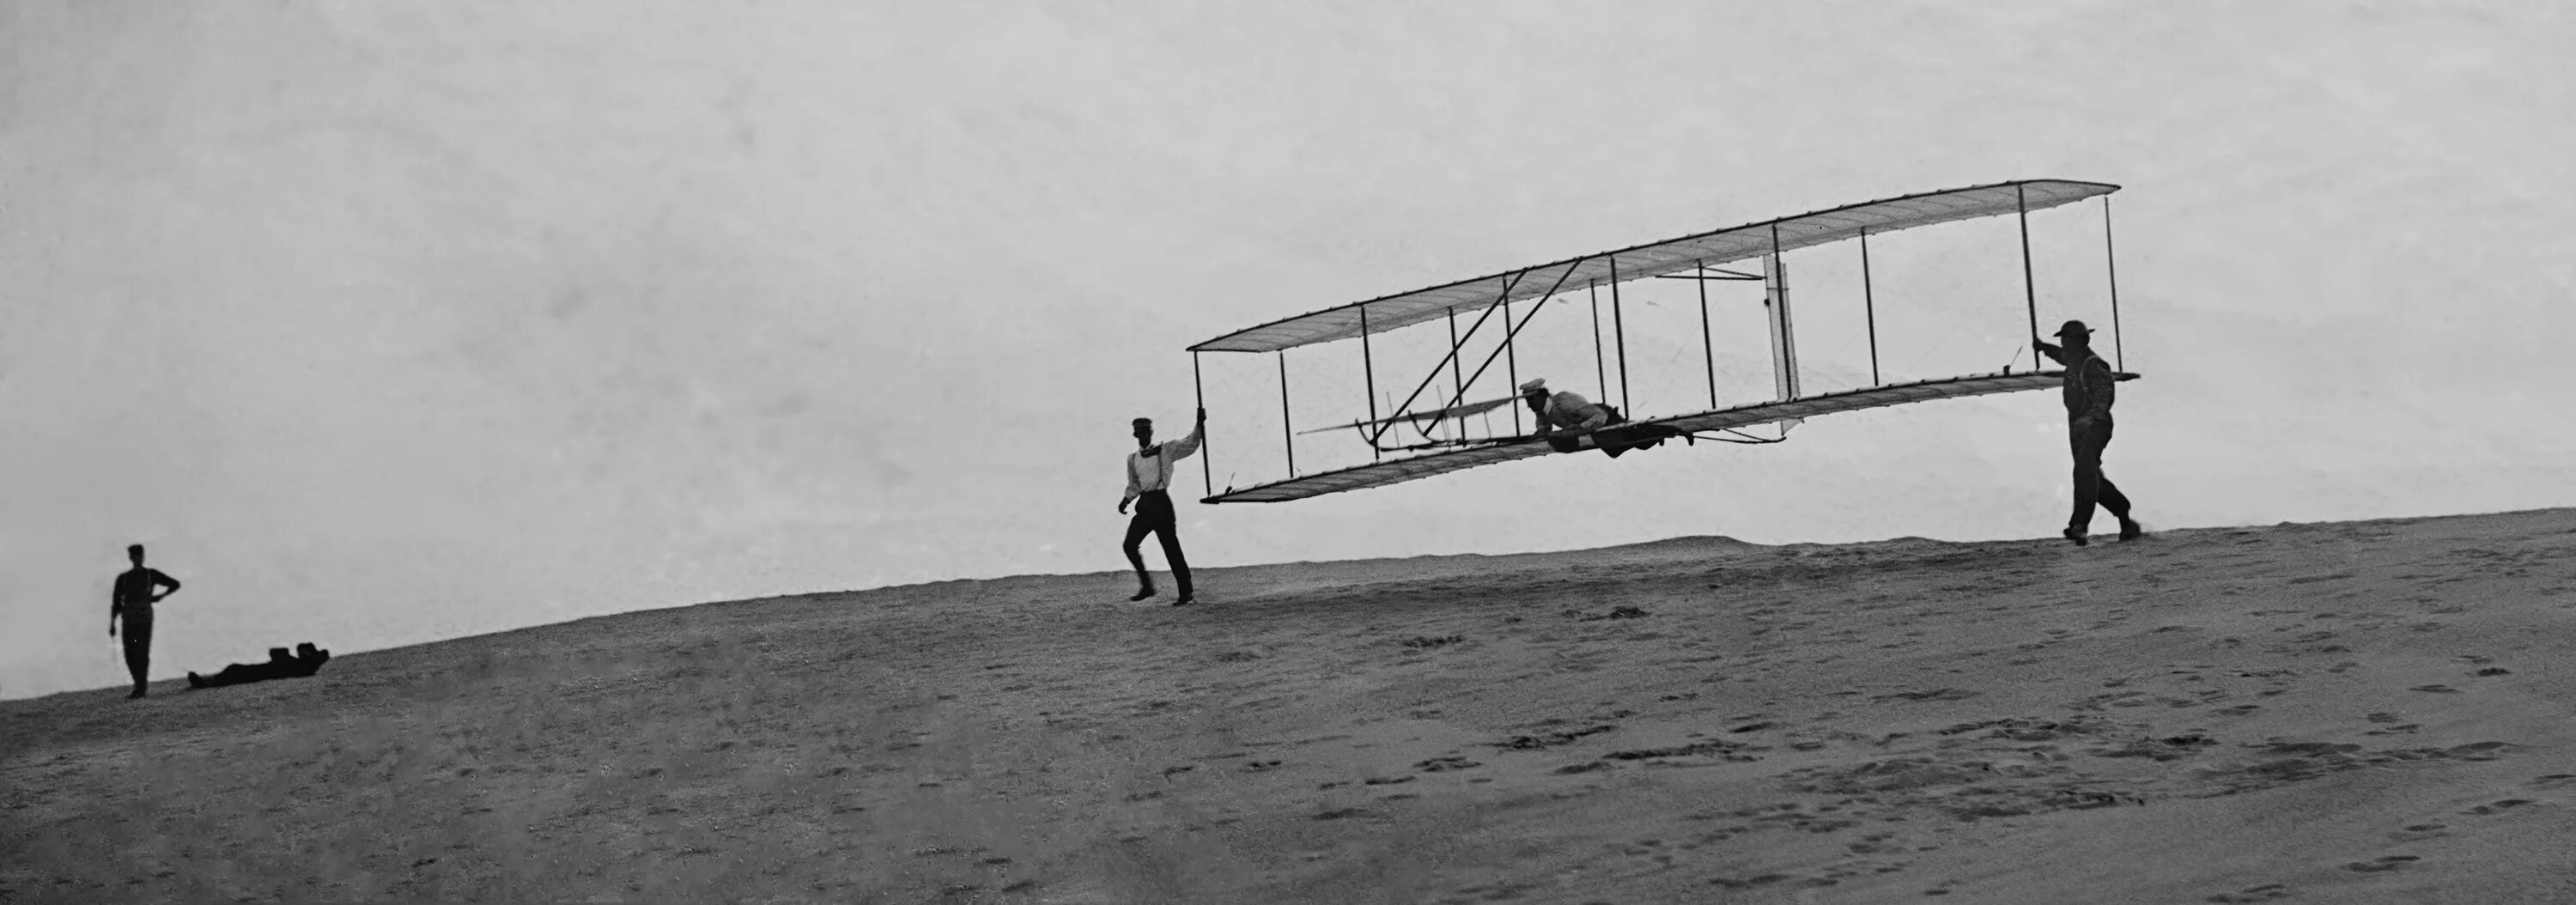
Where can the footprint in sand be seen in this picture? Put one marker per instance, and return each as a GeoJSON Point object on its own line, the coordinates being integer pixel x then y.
{"type": "Point", "coordinates": [1722, 750]}
{"type": "Point", "coordinates": [1874, 844]}
{"type": "Point", "coordinates": [2384, 863]}
{"type": "Point", "coordinates": [1754, 882]}
{"type": "Point", "coordinates": [2264, 893]}
{"type": "Point", "coordinates": [2083, 800]}
{"type": "Point", "coordinates": [2435, 689]}
{"type": "Point", "coordinates": [2497, 807]}
{"type": "Point", "coordinates": [2480, 750]}
{"type": "Point", "coordinates": [1624, 612]}
{"type": "Point", "coordinates": [2301, 749]}
{"type": "Point", "coordinates": [2419, 831]}
{"type": "Point", "coordinates": [1938, 694]}
{"type": "Point", "coordinates": [2554, 781]}
{"type": "Point", "coordinates": [2159, 749]}
{"type": "Point", "coordinates": [1537, 742]}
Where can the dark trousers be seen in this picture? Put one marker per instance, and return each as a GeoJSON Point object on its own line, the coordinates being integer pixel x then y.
{"type": "Point", "coordinates": [1154, 516]}
{"type": "Point", "coordinates": [138, 648]}
{"type": "Point", "coordinates": [1611, 439]}
{"type": "Point", "coordinates": [2088, 441]}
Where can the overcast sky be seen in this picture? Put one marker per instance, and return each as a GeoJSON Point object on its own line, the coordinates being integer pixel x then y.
{"type": "Point", "coordinates": [388, 322]}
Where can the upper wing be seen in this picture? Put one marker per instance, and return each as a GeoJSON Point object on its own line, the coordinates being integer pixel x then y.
{"type": "Point", "coordinates": [1739, 243]}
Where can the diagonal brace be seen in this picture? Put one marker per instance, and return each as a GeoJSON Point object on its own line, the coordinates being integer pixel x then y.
{"type": "Point", "coordinates": [1445, 361]}
{"type": "Point", "coordinates": [1515, 331]}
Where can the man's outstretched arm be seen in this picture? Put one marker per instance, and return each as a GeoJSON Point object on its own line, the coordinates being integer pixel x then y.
{"type": "Point", "coordinates": [2053, 352]}
{"type": "Point", "coordinates": [1182, 448]}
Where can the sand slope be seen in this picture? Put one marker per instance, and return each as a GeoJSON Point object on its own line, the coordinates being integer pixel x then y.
{"type": "Point", "coordinates": [2365, 712]}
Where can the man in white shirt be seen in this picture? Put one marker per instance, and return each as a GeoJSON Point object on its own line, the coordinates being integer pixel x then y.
{"type": "Point", "coordinates": [1149, 472]}
{"type": "Point", "coordinates": [1568, 410]}
{"type": "Point", "coordinates": [1564, 419]}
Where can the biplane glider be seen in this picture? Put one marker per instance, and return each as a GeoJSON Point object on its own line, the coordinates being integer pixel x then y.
{"type": "Point", "coordinates": [1694, 257]}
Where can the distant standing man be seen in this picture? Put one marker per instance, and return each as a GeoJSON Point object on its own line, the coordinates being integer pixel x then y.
{"type": "Point", "coordinates": [1149, 472]}
{"type": "Point", "coordinates": [137, 589]}
{"type": "Point", "coordinates": [2090, 385]}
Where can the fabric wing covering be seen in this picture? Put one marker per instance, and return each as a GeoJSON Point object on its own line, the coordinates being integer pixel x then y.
{"type": "Point", "coordinates": [1675, 256]}
{"type": "Point", "coordinates": [1395, 471]}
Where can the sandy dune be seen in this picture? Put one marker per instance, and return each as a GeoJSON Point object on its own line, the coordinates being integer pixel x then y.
{"type": "Point", "coordinates": [2365, 712]}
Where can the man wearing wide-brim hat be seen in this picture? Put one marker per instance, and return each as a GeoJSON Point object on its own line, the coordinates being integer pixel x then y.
{"type": "Point", "coordinates": [2090, 386]}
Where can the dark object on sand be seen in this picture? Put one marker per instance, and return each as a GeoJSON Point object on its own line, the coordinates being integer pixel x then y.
{"type": "Point", "coordinates": [306, 661]}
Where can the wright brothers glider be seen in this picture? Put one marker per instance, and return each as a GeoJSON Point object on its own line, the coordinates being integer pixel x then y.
{"type": "Point", "coordinates": [1603, 427]}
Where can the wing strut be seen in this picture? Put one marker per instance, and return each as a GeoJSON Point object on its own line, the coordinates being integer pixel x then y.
{"type": "Point", "coordinates": [1707, 345]}
{"type": "Point", "coordinates": [1287, 438]}
{"type": "Point", "coordinates": [1600, 372]}
{"type": "Point", "coordinates": [1869, 306]}
{"type": "Point", "coordinates": [1369, 368]}
{"type": "Point", "coordinates": [1784, 340]}
{"type": "Point", "coordinates": [1207, 463]}
{"type": "Point", "coordinates": [1511, 365]}
{"type": "Point", "coordinates": [1619, 323]}
{"type": "Point", "coordinates": [2029, 289]}
{"type": "Point", "coordinates": [1453, 356]}
{"type": "Point", "coordinates": [2112, 262]}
